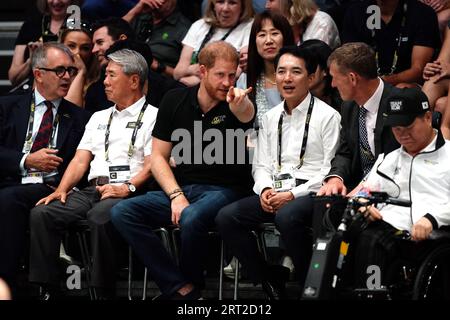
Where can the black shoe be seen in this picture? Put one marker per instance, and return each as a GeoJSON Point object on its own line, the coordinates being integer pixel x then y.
{"type": "Point", "coordinates": [274, 290]}
{"type": "Point", "coordinates": [274, 285]}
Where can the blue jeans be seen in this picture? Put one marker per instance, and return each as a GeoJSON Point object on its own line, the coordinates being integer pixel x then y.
{"type": "Point", "coordinates": [135, 218]}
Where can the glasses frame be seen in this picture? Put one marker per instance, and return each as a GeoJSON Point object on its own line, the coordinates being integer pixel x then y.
{"type": "Point", "coordinates": [58, 69]}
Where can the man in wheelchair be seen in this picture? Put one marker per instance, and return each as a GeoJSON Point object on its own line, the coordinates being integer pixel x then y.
{"type": "Point", "coordinates": [419, 172]}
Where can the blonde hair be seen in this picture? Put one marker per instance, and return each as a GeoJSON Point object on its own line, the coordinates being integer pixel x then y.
{"type": "Point", "coordinates": [247, 12]}
{"type": "Point", "coordinates": [302, 12]}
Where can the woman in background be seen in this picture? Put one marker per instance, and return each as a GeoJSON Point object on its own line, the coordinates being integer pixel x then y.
{"type": "Point", "coordinates": [227, 20]}
{"type": "Point", "coordinates": [270, 32]}
{"type": "Point", "coordinates": [321, 86]}
{"type": "Point", "coordinates": [36, 30]}
{"type": "Point", "coordinates": [79, 41]}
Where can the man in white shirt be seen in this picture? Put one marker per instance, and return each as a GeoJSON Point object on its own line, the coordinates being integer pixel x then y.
{"type": "Point", "coordinates": [418, 171]}
{"type": "Point", "coordinates": [307, 131]}
{"type": "Point", "coordinates": [116, 146]}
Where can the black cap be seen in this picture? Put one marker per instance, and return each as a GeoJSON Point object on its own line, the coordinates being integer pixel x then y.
{"type": "Point", "coordinates": [404, 105]}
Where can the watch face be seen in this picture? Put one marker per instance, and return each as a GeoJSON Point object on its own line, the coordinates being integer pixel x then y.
{"type": "Point", "coordinates": [131, 187]}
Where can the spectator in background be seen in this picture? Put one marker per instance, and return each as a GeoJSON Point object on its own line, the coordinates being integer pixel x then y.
{"type": "Point", "coordinates": [399, 63]}
{"type": "Point", "coordinates": [36, 30]}
{"type": "Point", "coordinates": [116, 31]}
{"type": "Point", "coordinates": [162, 26]}
{"type": "Point", "coordinates": [283, 6]}
{"type": "Point", "coordinates": [34, 153]}
{"type": "Point", "coordinates": [321, 85]}
{"type": "Point", "coordinates": [442, 9]}
{"type": "Point", "coordinates": [270, 32]}
{"type": "Point", "coordinates": [94, 10]}
{"type": "Point", "coordinates": [227, 20]}
{"type": "Point", "coordinates": [79, 41]}
{"type": "Point", "coordinates": [308, 22]}
{"type": "Point", "coordinates": [437, 77]}
{"type": "Point", "coordinates": [258, 5]}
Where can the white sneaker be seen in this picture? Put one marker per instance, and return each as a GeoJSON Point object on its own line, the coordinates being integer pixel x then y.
{"type": "Point", "coordinates": [229, 270]}
{"type": "Point", "coordinates": [288, 263]}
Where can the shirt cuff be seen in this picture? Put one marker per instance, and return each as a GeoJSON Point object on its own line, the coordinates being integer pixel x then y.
{"type": "Point", "coordinates": [23, 170]}
{"type": "Point", "coordinates": [331, 176]}
{"type": "Point", "coordinates": [432, 220]}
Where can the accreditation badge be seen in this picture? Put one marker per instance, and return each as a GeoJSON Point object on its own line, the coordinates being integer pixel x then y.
{"type": "Point", "coordinates": [33, 177]}
{"type": "Point", "coordinates": [283, 181]}
{"type": "Point", "coordinates": [119, 174]}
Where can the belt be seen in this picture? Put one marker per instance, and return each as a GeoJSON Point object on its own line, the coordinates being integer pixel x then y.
{"type": "Point", "coordinates": [300, 181]}
{"type": "Point", "coordinates": [99, 181]}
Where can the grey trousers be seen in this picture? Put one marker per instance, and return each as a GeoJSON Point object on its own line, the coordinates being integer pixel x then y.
{"type": "Point", "coordinates": [49, 223]}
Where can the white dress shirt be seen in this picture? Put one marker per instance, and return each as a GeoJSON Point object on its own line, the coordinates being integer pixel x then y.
{"type": "Point", "coordinates": [323, 139]}
{"type": "Point", "coordinates": [119, 138]}
{"type": "Point", "coordinates": [372, 105]}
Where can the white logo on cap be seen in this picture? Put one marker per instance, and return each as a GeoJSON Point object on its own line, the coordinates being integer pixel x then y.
{"type": "Point", "coordinates": [425, 105]}
{"type": "Point", "coordinates": [396, 105]}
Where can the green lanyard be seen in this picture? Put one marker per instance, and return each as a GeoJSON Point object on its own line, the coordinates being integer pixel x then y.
{"type": "Point", "coordinates": [133, 136]}
{"type": "Point", "coordinates": [29, 138]}
{"type": "Point", "coordinates": [305, 135]}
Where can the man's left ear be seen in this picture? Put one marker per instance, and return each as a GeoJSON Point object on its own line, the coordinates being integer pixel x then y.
{"type": "Point", "coordinates": [134, 81]}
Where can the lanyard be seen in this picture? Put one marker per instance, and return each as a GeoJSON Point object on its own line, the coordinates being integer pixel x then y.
{"type": "Point", "coordinates": [29, 138]}
{"type": "Point", "coordinates": [305, 134]}
{"type": "Point", "coordinates": [133, 136]}
{"type": "Point", "coordinates": [399, 42]}
{"type": "Point", "coordinates": [208, 36]}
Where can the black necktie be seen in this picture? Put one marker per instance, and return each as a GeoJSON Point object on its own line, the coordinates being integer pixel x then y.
{"type": "Point", "coordinates": [367, 158]}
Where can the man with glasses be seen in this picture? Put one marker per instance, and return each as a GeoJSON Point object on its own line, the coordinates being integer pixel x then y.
{"type": "Point", "coordinates": [115, 150]}
{"type": "Point", "coordinates": [39, 133]}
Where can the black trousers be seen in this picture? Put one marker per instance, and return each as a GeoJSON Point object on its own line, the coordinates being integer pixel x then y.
{"type": "Point", "coordinates": [49, 223]}
{"type": "Point", "coordinates": [236, 221]}
{"type": "Point", "coordinates": [16, 201]}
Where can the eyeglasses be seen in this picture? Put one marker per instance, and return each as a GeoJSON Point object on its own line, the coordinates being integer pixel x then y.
{"type": "Point", "coordinates": [61, 71]}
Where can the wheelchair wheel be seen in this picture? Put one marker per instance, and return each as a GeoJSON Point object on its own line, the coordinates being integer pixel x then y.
{"type": "Point", "coordinates": [433, 277]}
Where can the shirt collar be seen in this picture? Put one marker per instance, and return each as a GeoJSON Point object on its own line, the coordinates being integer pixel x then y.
{"type": "Point", "coordinates": [373, 103]}
{"type": "Point", "coordinates": [302, 107]}
{"type": "Point", "coordinates": [39, 99]}
{"type": "Point", "coordinates": [134, 109]}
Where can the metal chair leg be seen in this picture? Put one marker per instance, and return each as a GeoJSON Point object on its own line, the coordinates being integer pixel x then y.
{"type": "Point", "coordinates": [236, 279]}
{"type": "Point", "coordinates": [221, 270]}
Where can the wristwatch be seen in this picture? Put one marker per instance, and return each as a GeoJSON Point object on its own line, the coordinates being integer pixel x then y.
{"type": "Point", "coordinates": [131, 187]}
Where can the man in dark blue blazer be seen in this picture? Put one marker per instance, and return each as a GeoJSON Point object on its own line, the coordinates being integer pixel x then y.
{"type": "Point", "coordinates": [39, 134]}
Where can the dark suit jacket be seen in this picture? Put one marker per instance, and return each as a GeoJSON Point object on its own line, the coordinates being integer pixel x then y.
{"type": "Point", "coordinates": [14, 116]}
{"type": "Point", "coordinates": [346, 164]}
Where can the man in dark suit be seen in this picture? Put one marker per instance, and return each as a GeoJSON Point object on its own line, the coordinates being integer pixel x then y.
{"type": "Point", "coordinates": [363, 135]}
{"type": "Point", "coordinates": [39, 133]}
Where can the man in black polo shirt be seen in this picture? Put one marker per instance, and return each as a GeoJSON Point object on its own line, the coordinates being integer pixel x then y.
{"type": "Point", "coordinates": [208, 175]}
{"type": "Point", "coordinates": [400, 61]}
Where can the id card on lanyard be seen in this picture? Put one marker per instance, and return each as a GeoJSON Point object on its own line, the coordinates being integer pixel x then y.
{"type": "Point", "coordinates": [284, 180]}
{"type": "Point", "coordinates": [122, 173]}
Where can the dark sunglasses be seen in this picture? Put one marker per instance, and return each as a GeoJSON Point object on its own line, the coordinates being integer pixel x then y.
{"type": "Point", "coordinates": [61, 71]}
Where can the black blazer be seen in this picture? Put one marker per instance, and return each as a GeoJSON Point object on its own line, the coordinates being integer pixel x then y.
{"type": "Point", "coordinates": [14, 116]}
{"type": "Point", "coordinates": [346, 163]}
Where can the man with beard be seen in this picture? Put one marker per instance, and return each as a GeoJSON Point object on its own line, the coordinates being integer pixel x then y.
{"type": "Point", "coordinates": [192, 195]}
